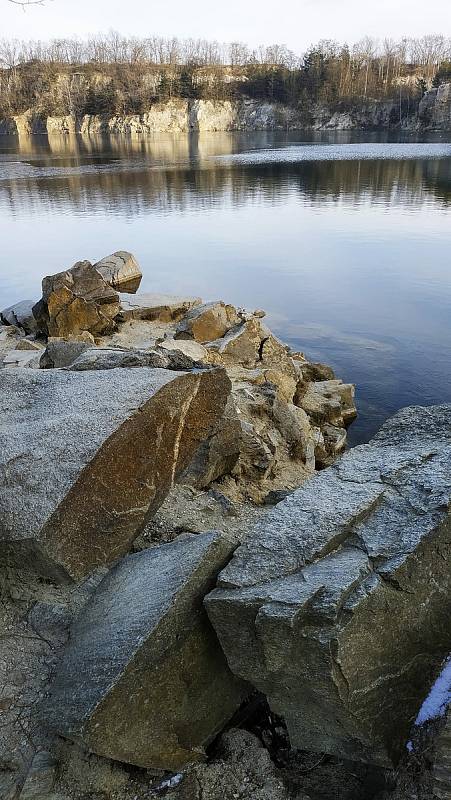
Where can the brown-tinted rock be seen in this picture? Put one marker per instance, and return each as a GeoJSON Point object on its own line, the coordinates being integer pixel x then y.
{"type": "Point", "coordinates": [207, 322]}
{"type": "Point", "coordinates": [87, 457]}
{"type": "Point", "coordinates": [76, 300]}
{"type": "Point", "coordinates": [314, 371]}
{"type": "Point", "coordinates": [241, 768]}
{"type": "Point", "coordinates": [121, 271]}
{"type": "Point", "coordinates": [218, 454]}
{"type": "Point", "coordinates": [241, 345]}
{"type": "Point", "coordinates": [143, 679]}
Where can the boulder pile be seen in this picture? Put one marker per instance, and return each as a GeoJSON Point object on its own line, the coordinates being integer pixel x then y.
{"type": "Point", "coordinates": [180, 545]}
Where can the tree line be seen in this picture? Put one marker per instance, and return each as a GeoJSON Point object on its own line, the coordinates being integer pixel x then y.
{"type": "Point", "coordinates": [117, 74]}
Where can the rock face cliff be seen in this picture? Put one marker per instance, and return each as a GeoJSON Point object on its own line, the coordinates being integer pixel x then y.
{"type": "Point", "coordinates": [435, 108]}
{"type": "Point", "coordinates": [183, 116]}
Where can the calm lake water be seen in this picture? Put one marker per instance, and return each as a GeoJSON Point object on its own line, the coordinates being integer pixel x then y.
{"type": "Point", "coordinates": [344, 239]}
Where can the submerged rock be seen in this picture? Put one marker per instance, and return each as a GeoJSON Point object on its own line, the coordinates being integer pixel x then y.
{"type": "Point", "coordinates": [144, 679]}
{"type": "Point", "coordinates": [121, 270]}
{"type": "Point", "coordinates": [337, 605]}
{"type": "Point", "coordinates": [75, 301]}
{"type": "Point", "coordinates": [87, 457]}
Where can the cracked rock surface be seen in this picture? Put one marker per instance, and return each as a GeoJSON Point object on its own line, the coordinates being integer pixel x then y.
{"type": "Point", "coordinates": [337, 605]}
{"type": "Point", "coordinates": [87, 457]}
{"type": "Point", "coordinates": [143, 679]}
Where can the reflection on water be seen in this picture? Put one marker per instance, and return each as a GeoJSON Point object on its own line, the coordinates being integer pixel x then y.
{"type": "Point", "coordinates": [348, 250]}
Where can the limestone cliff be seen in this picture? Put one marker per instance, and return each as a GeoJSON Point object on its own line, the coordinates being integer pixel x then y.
{"type": "Point", "coordinates": [183, 116]}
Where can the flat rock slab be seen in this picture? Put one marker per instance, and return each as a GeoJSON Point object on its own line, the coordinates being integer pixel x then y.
{"type": "Point", "coordinates": [338, 604]}
{"type": "Point", "coordinates": [163, 307]}
{"type": "Point", "coordinates": [87, 457]}
{"type": "Point", "coordinates": [143, 679]}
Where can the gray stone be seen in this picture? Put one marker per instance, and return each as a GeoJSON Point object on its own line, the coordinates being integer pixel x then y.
{"type": "Point", "coordinates": [40, 779]}
{"type": "Point", "coordinates": [114, 357]}
{"type": "Point", "coordinates": [337, 605]}
{"type": "Point", "coordinates": [118, 357]}
{"type": "Point", "coordinates": [86, 458]}
{"type": "Point", "coordinates": [163, 307]}
{"type": "Point", "coordinates": [121, 270]}
{"type": "Point", "coordinates": [21, 315]}
{"type": "Point", "coordinates": [60, 353]}
{"type": "Point", "coordinates": [22, 358]}
{"type": "Point", "coordinates": [143, 679]}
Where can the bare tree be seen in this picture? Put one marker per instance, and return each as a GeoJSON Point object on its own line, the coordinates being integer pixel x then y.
{"type": "Point", "coordinates": [24, 3]}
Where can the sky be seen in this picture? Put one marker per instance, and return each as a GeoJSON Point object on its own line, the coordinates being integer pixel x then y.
{"type": "Point", "coordinates": [295, 23]}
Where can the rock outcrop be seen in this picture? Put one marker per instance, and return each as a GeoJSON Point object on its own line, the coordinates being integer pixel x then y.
{"type": "Point", "coordinates": [435, 108]}
{"type": "Point", "coordinates": [87, 457]}
{"type": "Point", "coordinates": [183, 116]}
{"type": "Point", "coordinates": [121, 271]}
{"type": "Point", "coordinates": [143, 679]}
{"type": "Point", "coordinates": [76, 300]}
{"type": "Point", "coordinates": [337, 605]}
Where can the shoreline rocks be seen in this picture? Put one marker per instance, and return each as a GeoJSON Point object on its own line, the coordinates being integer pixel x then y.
{"type": "Point", "coordinates": [337, 605]}
{"type": "Point", "coordinates": [144, 679]}
{"type": "Point", "coordinates": [87, 457]}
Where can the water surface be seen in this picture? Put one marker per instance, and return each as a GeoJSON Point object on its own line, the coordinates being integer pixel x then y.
{"type": "Point", "coordinates": [343, 239]}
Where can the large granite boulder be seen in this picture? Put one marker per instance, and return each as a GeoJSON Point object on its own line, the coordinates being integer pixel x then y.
{"type": "Point", "coordinates": [76, 300]}
{"type": "Point", "coordinates": [338, 604]}
{"type": "Point", "coordinates": [121, 271]}
{"type": "Point", "coordinates": [143, 679]}
{"type": "Point", "coordinates": [87, 457]}
{"type": "Point", "coordinates": [207, 322]}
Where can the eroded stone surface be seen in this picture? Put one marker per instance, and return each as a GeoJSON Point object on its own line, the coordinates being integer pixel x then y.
{"type": "Point", "coordinates": [337, 605]}
{"type": "Point", "coordinates": [87, 457]}
{"type": "Point", "coordinates": [143, 679]}
{"type": "Point", "coordinates": [121, 270]}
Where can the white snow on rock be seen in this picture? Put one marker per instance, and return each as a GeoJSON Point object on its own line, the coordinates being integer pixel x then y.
{"type": "Point", "coordinates": [438, 698]}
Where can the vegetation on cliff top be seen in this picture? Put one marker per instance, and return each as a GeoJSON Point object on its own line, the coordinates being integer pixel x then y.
{"type": "Point", "coordinates": [114, 74]}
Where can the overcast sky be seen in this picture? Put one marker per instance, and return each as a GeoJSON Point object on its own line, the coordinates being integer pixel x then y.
{"type": "Point", "coordinates": [296, 23]}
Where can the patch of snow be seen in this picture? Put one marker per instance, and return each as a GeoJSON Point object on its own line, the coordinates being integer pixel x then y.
{"type": "Point", "coordinates": [438, 698]}
{"type": "Point", "coordinates": [169, 783]}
